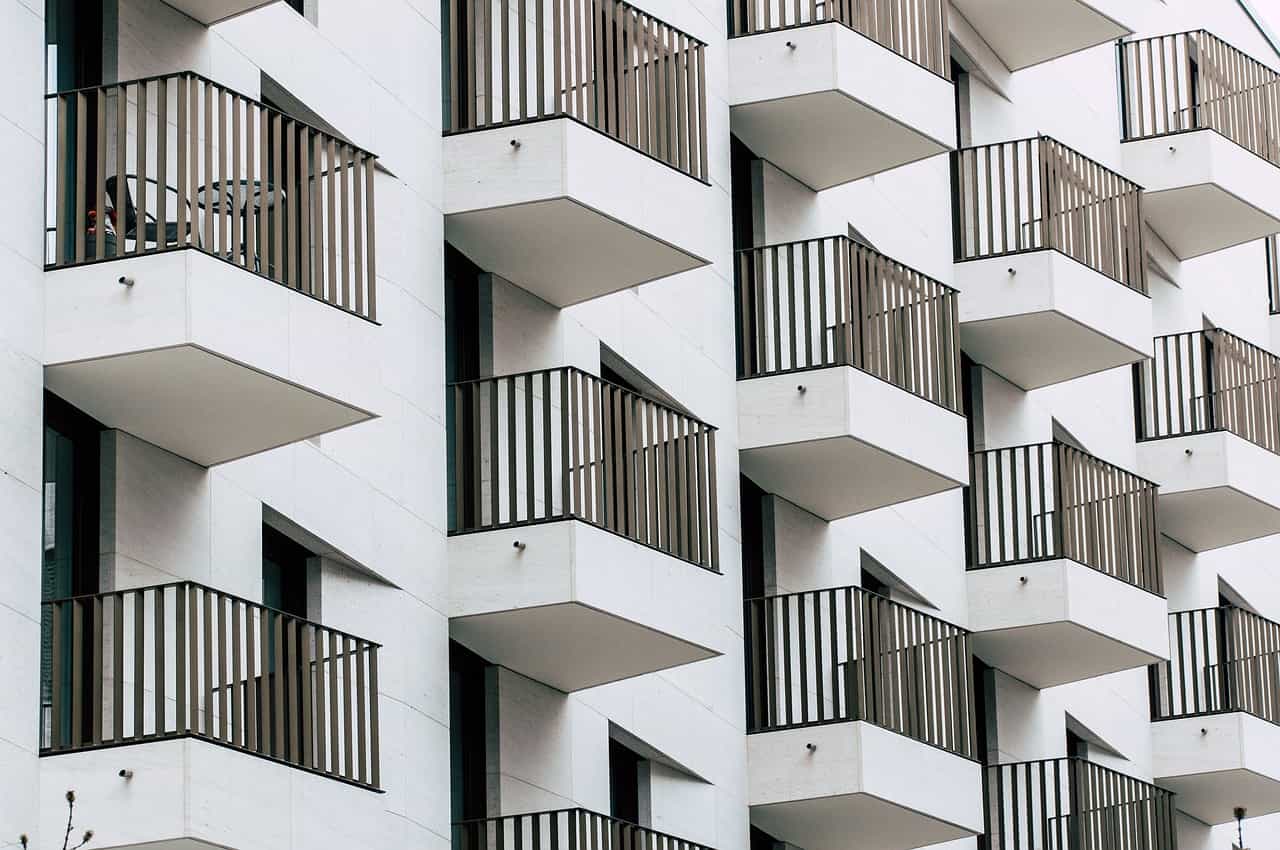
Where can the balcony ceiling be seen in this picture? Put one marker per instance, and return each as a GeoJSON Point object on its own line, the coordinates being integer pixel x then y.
{"type": "Point", "coordinates": [1027, 32]}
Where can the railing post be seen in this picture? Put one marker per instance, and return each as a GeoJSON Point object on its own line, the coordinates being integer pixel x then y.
{"type": "Point", "coordinates": [1059, 504]}
{"type": "Point", "coordinates": [1212, 416]}
{"type": "Point", "coordinates": [1076, 803]}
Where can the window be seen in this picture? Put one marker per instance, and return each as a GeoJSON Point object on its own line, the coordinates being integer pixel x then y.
{"type": "Point", "coordinates": [69, 530]}
{"type": "Point", "coordinates": [754, 581]}
{"type": "Point", "coordinates": [628, 777]}
{"type": "Point", "coordinates": [284, 573]}
{"type": "Point", "coordinates": [468, 726]}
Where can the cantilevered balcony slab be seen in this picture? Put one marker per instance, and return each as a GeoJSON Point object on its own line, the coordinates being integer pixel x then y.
{"type": "Point", "coordinates": [1057, 621]}
{"type": "Point", "coordinates": [182, 791]}
{"type": "Point", "coordinates": [837, 441]}
{"type": "Point", "coordinates": [211, 11]}
{"type": "Point", "coordinates": [1216, 489]}
{"type": "Point", "coordinates": [1027, 32]}
{"type": "Point", "coordinates": [1218, 762]}
{"type": "Point", "coordinates": [857, 785]}
{"type": "Point", "coordinates": [828, 105]}
{"type": "Point", "coordinates": [568, 213]}
{"type": "Point", "coordinates": [1043, 317]}
{"type": "Point", "coordinates": [1054, 283]}
{"type": "Point", "coordinates": [575, 606]}
{"type": "Point", "coordinates": [1204, 192]}
{"type": "Point", "coordinates": [205, 359]}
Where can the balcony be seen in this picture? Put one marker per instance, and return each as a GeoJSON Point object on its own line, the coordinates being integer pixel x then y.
{"type": "Point", "coordinates": [209, 12]}
{"type": "Point", "coordinates": [563, 829]}
{"type": "Point", "coordinates": [1049, 256]}
{"type": "Point", "coordinates": [1208, 431]}
{"type": "Point", "coordinates": [1200, 131]}
{"type": "Point", "coordinates": [1027, 32]}
{"type": "Point", "coordinates": [571, 171]}
{"type": "Point", "coordinates": [860, 722]}
{"type": "Point", "coordinates": [210, 262]}
{"type": "Point", "coordinates": [584, 542]}
{"type": "Point", "coordinates": [1074, 804]}
{"type": "Point", "coordinates": [833, 92]}
{"type": "Point", "coordinates": [848, 370]}
{"type": "Point", "coordinates": [1064, 573]}
{"type": "Point", "coordinates": [189, 679]}
{"type": "Point", "coordinates": [1215, 738]}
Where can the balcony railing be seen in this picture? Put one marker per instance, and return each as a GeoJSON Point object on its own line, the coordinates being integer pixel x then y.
{"type": "Point", "coordinates": [184, 660]}
{"type": "Point", "coordinates": [1221, 660]}
{"type": "Point", "coordinates": [1206, 381]}
{"type": "Point", "coordinates": [1073, 804]}
{"type": "Point", "coordinates": [560, 443]}
{"type": "Point", "coordinates": [604, 63]}
{"type": "Point", "coordinates": [1194, 81]}
{"type": "Point", "coordinates": [1051, 500]}
{"type": "Point", "coordinates": [179, 161]}
{"type": "Point", "coordinates": [830, 302]}
{"type": "Point", "coordinates": [845, 654]}
{"type": "Point", "coordinates": [564, 829]}
{"type": "Point", "coordinates": [917, 30]}
{"type": "Point", "coordinates": [1038, 194]}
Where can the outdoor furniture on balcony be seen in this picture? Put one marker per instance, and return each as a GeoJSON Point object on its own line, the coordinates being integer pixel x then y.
{"type": "Point", "coordinates": [1064, 572]}
{"type": "Point", "coordinates": [1202, 136]}
{"type": "Point", "coordinates": [1050, 260]}
{"type": "Point", "coordinates": [860, 721]}
{"type": "Point", "coordinates": [575, 171]}
{"type": "Point", "coordinates": [1074, 804]}
{"type": "Point", "coordinates": [848, 370]}
{"type": "Point", "coordinates": [1208, 429]}
{"type": "Point", "coordinates": [584, 529]}
{"type": "Point", "coordinates": [1215, 707]}
{"type": "Point", "coordinates": [836, 91]}
{"type": "Point", "coordinates": [174, 203]}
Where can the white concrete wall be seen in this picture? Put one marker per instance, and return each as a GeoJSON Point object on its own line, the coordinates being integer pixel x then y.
{"type": "Point", "coordinates": [21, 384]}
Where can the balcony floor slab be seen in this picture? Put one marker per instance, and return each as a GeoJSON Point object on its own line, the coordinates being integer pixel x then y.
{"type": "Point", "coordinates": [849, 443]}
{"type": "Point", "coordinates": [577, 606]}
{"type": "Point", "coordinates": [1027, 32]}
{"type": "Point", "coordinates": [201, 358]}
{"type": "Point", "coordinates": [1218, 762]}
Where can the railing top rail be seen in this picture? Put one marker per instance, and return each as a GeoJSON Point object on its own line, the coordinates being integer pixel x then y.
{"type": "Point", "coordinates": [1045, 137]}
{"type": "Point", "coordinates": [575, 810]}
{"type": "Point", "coordinates": [857, 590]}
{"type": "Point", "coordinates": [1207, 34]}
{"type": "Point", "coordinates": [231, 596]}
{"type": "Point", "coordinates": [1244, 612]}
{"type": "Point", "coordinates": [1221, 332]}
{"type": "Point", "coordinates": [580, 371]}
{"type": "Point", "coordinates": [1084, 761]}
{"type": "Point", "coordinates": [1065, 445]}
{"type": "Point", "coordinates": [196, 75]}
{"type": "Point", "coordinates": [844, 239]}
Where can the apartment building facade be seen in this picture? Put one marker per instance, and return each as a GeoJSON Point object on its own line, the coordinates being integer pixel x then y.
{"type": "Point", "coordinates": [669, 424]}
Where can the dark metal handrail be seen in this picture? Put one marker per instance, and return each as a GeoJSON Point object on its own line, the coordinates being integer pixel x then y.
{"type": "Point", "coordinates": [846, 654]}
{"type": "Point", "coordinates": [1051, 500]}
{"type": "Point", "coordinates": [182, 659]}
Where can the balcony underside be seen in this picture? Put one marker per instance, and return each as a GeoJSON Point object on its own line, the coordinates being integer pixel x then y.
{"type": "Point", "coordinates": [863, 108]}
{"type": "Point", "coordinates": [570, 214]}
{"type": "Point", "coordinates": [862, 788]}
{"type": "Point", "coordinates": [1203, 191]}
{"type": "Point", "coordinates": [1215, 489]}
{"type": "Point", "coordinates": [183, 789]}
{"type": "Point", "coordinates": [849, 443]}
{"type": "Point", "coordinates": [1219, 762]}
{"type": "Point", "coordinates": [203, 359]}
{"type": "Point", "coordinates": [577, 606]}
{"type": "Point", "coordinates": [211, 11]}
{"type": "Point", "coordinates": [1027, 32]}
{"type": "Point", "coordinates": [1054, 319]}
{"type": "Point", "coordinates": [1067, 622]}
